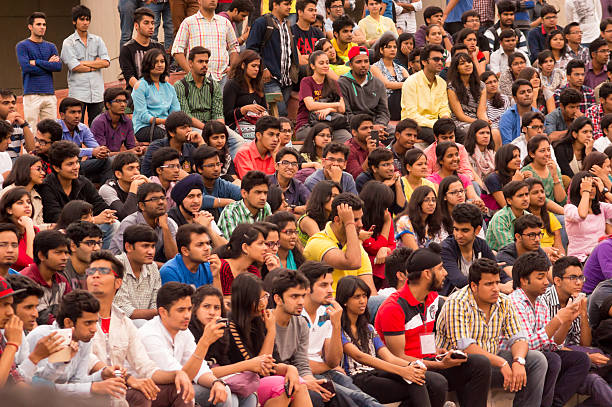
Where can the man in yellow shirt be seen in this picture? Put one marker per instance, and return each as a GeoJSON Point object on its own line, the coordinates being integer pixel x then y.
{"type": "Point", "coordinates": [424, 96]}
{"type": "Point", "coordinates": [339, 245]}
{"type": "Point", "coordinates": [343, 36]}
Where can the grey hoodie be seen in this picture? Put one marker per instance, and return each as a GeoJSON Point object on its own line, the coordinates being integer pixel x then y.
{"type": "Point", "coordinates": [369, 99]}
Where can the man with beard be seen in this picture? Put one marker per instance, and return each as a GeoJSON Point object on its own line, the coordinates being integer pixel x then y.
{"type": "Point", "coordinates": [194, 264]}
{"type": "Point", "coordinates": [48, 131]}
{"type": "Point", "coordinates": [510, 121]}
{"type": "Point", "coordinates": [78, 311]}
{"type": "Point", "coordinates": [323, 315]}
{"type": "Point", "coordinates": [187, 193]}
{"type": "Point", "coordinates": [171, 345]}
{"type": "Point", "coordinates": [382, 169]}
{"type": "Point", "coordinates": [85, 238]}
{"type": "Point", "coordinates": [9, 248]}
{"type": "Point", "coordinates": [22, 136]}
{"type": "Point", "coordinates": [51, 252]}
{"type": "Point", "coordinates": [474, 318]}
{"type": "Point", "coordinates": [217, 192]}
{"type": "Point", "coordinates": [296, 194]}
{"type": "Point", "coordinates": [405, 322]}
{"type": "Point", "coordinates": [152, 212]}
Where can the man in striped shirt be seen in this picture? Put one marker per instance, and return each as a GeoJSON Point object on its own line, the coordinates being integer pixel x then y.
{"type": "Point", "coordinates": [474, 319]}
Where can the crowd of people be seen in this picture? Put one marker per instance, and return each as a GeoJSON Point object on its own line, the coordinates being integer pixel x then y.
{"type": "Point", "coordinates": [430, 212]}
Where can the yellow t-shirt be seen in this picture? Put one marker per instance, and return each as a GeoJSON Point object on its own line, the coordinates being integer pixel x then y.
{"type": "Point", "coordinates": [408, 189]}
{"type": "Point", "coordinates": [547, 239]}
{"type": "Point", "coordinates": [322, 242]}
{"type": "Point", "coordinates": [343, 54]}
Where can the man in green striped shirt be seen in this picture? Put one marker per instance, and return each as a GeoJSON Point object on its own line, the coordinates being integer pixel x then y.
{"type": "Point", "coordinates": [501, 227]}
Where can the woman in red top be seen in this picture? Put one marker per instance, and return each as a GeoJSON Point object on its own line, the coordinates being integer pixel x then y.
{"type": "Point", "coordinates": [468, 37]}
{"type": "Point", "coordinates": [377, 197]}
{"type": "Point", "coordinates": [16, 208]}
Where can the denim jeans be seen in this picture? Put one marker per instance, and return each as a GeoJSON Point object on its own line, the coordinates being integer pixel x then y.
{"type": "Point", "coordinates": [274, 86]}
{"type": "Point", "coordinates": [566, 372]}
{"type": "Point", "coordinates": [536, 367]}
{"type": "Point", "coordinates": [345, 386]}
{"type": "Point", "coordinates": [126, 16]}
{"type": "Point", "coordinates": [203, 393]}
{"type": "Point", "coordinates": [162, 11]}
{"type": "Point", "coordinates": [108, 231]}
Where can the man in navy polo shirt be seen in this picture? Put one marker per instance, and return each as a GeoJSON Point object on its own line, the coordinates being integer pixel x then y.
{"type": "Point", "coordinates": [405, 323]}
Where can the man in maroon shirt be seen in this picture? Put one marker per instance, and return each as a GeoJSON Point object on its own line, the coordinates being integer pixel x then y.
{"type": "Point", "coordinates": [361, 145]}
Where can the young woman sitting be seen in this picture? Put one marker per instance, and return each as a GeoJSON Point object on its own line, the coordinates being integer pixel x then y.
{"type": "Point", "coordinates": [551, 227]}
{"type": "Point", "coordinates": [598, 164]}
{"type": "Point", "coordinates": [516, 63]}
{"type": "Point", "coordinates": [390, 73]}
{"type": "Point", "coordinates": [289, 249]}
{"type": "Point", "coordinates": [573, 148]}
{"type": "Point", "coordinates": [497, 104]}
{"type": "Point", "coordinates": [337, 65]}
{"type": "Point", "coordinates": [469, 37]}
{"type": "Point", "coordinates": [406, 45]}
{"type": "Point", "coordinates": [16, 209]}
{"type": "Point", "coordinates": [480, 146]}
{"type": "Point", "coordinates": [541, 166]}
{"type": "Point", "coordinates": [543, 99]}
{"type": "Point", "coordinates": [318, 209]}
{"type": "Point", "coordinates": [450, 194]}
{"type": "Point", "coordinates": [507, 168]}
{"type": "Point", "coordinates": [311, 152]}
{"type": "Point", "coordinates": [215, 135]}
{"type": "Point", "coordinates": [415, 166]}
{"type": "Point", "coordinates": [552, 78]}
{"type": "Point", "coordinates": [419, 224]}
{"type": "Point", "coordinates": [556, 43]}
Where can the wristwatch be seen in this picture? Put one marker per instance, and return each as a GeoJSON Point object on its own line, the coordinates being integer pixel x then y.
{"type": "Point", "coordinates": [605, 190]}
{"type": "Point", "coordinates": [519, 360]}
{"type": "Point", "coordinates": [218, 381]}
{"type": "Point", "coordinates": [25, 124]}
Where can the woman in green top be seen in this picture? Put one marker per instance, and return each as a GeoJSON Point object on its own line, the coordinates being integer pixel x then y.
{"type": "Point", "coordinates": [318, 209]}
{"type": "Point", "coordinates": [541, 165]}
{"type": "Point", "coordinates": [289, 251]}
{"type": "Point", "coordinates": [337, 66]}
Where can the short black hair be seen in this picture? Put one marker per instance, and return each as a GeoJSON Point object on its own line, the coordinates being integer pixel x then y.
{"type": "Point", "coordinates": [530, 116]}
{"type": "Point", "coordinates": [518, 83]}
{"type": "Point", "coordinates": [379, 155]}
{"type": "Point", "coordinates": [48, 240]}
{"type": "Point", "coordinates": [252, 179]}
{"type": "Point", "coordinates": [286, 279]}
{"type": "Point", "coordinates": [603, 25]}
{"type": "Point", "coordinates": [111, 94]}
{"type": "Point", "coordinates": [525, 222]}
{"type": "Point", "coordinates": [548, 9]}
{"type": "Point", "coordinates": [467, 213]}
{"type": "Point", "coordinates": [184, 232]}
{"type": "Point", "coordinates": [69, 102]}
{"type": "Point", "coordinates": [606, 121]}
{"type": "Point", "coordinates": [314, 270]}
{"type": "Point", "coordinates": [527, 264]}
{"type": "Point", "coordinates": [201, 154]}
{"type": "Point", "coordinates": [176, 120]}
{"type": "Point", "coordinates": [604, 91]}
{"type": "Point", "coordinates": [569, 26]}
{"type": "Point", "coordinates": [267, 122]}
{"type": "Point", "coordinates": [407, 123]}
{"type": "Point", "coordinates": [78, 231]}
{"type": "Point", "coordinates": [242, 6]}
{"type": "Point", "coordinates": [558, 269]}
{"type": "Point", "coordinates": [35, 15]}
{"type": "Point", "coordinates": [300, 5]}
{"type": "Point", "coordinates": [396, 261]}
{"type": "Point", "coordinates": [444, 125]}
{"type": "Point", "coordinates": [287, 151]}
{"type": "Point", "coordinates": [595, 45]}
{"type": "Point", "coordinates": [52, 127]}
{"type": "Point", "coordinates": [73, 304]}
{"type": "Point", "coordinates": [6, 130]}
{"type": "Point", "coordinates": [341, 22]}
{"type": "Point", "coordinates": [482, 266]}
{"type": "Point", "coordinates": [141, 12]}
{"type": "Point", "coordinates": [570, 95]}
{"type": "Point", "coordinates": [507, 33]}
{"type": "Point", "coordinates": [139, 233]}
{"type": "Point", "coordinates": [110, 257]}
{"type": "Point", "coordinates": [348, 198]}
{"type": "Point", "coordinates": [512, 187]}
{"type": "Point", "coordinates": [357, 119]}
{"type": "Point", "coordinates": [122, 159]}
{"type": "Point", "coordinates": [428, 49]}
{"type": "Point", "coordinates": [335, 147]}
{"type": "Point", "coordinates": [431, 11]}
{"type": "Point", "coordinates": [148, 188]}
{"type": "Point", "coordinates": [469, 13]}
{"type": "Point", "coordinates": [198, 51]}
{"type": "Point", "coordinates": [162, 155]}
{"type": "Point", "coordinates": [79, 11]}
{"type": "Point", "coordinates": [62, 150]}
{"type": "Point", "coordinates": [10, 227]}
{"type": "Point", "coordinates": [21, 282]}
{"type": "Point", "coordinates": [573, 64]}
{"type": "Point", "coordinates": [171, 292]}
{"type": "Point", "coordinates": [505, 6]}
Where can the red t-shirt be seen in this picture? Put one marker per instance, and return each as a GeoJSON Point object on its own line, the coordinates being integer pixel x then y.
{"type": "Point", "coordinates": [105, 324]}
{"type": "Point", "coordinates": [392, 319]}
{"type": "Point", "coordinates": [227, 278]}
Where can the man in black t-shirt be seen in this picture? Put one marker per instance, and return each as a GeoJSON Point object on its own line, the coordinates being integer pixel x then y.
{"type": "Point", "coordinates": [304, 34]}
{"type": "Point", "coordinates": [132, 52]}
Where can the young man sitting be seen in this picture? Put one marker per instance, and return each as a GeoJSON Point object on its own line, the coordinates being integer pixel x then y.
{"type": "Point", "coordinates": [381, 168]}
{"type": "Point", "coordinates": [360, 145]}
{"type": "Point", "coordinates": [335, 156]}
{"type": "Point", "coordinates": [406, 136]}
{"type": "Point", "coordinates": [25, 301]}
{"type": "Point", "coordinates": [48, 131]}
{"type": "Point", "coordinates": [259, 153]}
{"type": "Point", "coordinates": [166, 165]}
{"type": "Point", "coordinates": [558, 121]}
{"type": "Point", "coordinates": [171, 345]}
{"type": "Point", "coordinates": [296, 194]}
{"type": "Point", "coordinates": [501, 231]}
{"type": "Point", "coordinates": [598, 111]}
{"type": "Point", "coordinates": [85, 238]}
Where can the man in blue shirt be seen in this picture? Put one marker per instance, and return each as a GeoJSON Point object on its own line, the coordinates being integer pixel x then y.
{"type": "Point", "coordinates": [96, 167]}
{"type": "Point", "coordinates": [38, 60]}
{"type": "Point", "coordinates": [193, 265]}
{"type": "Point", "coordinates": [510, 122]}
{"type": "Point", "coordinates": [85, 55]}
{"type": "Point", "coordinates": [537, 37]}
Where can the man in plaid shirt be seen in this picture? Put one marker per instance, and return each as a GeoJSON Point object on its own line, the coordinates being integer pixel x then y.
{"type": "Point", "coordinates": [566, 369]}
{"type": "Point", "coordinates": [597, 112]}
{"type": "Point", "coordinates": [575, 80]}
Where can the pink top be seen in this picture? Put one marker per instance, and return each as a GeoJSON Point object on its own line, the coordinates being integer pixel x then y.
{"type": "Point", "coordinates": [432, 163]}
{"type": "Point", "coordinates": [436, 179]}
{"type": "Point", "coordinates": [584, 234]}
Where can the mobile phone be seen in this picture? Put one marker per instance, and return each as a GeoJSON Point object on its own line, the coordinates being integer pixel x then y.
{"type": "Point", "coordinates": [457, 354]}
{"type": "Point", "coordinates": [329, 386]}
{"type": "Point", "coordinates": [225, 321]}
{"type": "Point", "coordinates": [287, 389]}
{"type": "Point", "coordinates": [374, 136]}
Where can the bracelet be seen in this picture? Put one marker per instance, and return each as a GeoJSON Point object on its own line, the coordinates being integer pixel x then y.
{"type": "Point", "coordinates": [504, 364]}
{"type": "Point", "coordinates": [218, 380]}
{"type": "Point", "coordinates": [25, 124]}
{"type": "Point", "coordinates": [556, 182]}
{"type": "Point", "coordinates": [14, 344]}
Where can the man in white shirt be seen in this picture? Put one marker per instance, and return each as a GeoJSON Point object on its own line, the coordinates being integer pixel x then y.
{"type": "Point", "coordinates": [499, 57]}
{"type": "Point", "coordinates": [604, 142]}
{"type": "Point", "coordinates": [171, 345]}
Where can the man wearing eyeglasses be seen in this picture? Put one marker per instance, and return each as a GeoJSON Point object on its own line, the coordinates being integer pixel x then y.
{"type": "Point", "coordinates": [85, 238]}
{"type": "Point", "coordinates": [335, 156]}
{"type": "Point", "coordinates": [532, 124]}
{"type": "Point", "coordinates": [296, 194]}
{"type": "Point", "coordinates": [48, 131]}
{"type": "Point", "coordinates": [22, 132]}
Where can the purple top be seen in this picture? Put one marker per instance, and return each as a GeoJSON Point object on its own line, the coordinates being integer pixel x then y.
{"type": "Point", "coordinates": [591, 79]}
{"type": "Point", "coordinates": [598, 266]}
{"type": "Point", "coordinates": [106, 135]}
{"type": "Point", "coordinates": [308, 87]}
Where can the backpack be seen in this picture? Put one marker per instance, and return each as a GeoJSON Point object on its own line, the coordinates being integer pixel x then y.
{"type": "Point", "coordinates": [210, 87]}
{"type": "Point", "coordinates": [270, 27]}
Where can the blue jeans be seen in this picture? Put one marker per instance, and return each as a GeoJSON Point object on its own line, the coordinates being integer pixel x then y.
{"type": "Point", "coordinates": [564, 238]}
{"type": "Point", "coordinates": [274, 86]}
{"type": "Point", "coordinates": [162, 10]}
{"type": "Point", "coordinates": [126, 16]}
{"type": "Point", "coordinates": [536, 366]}
{"type": "Point", "coordinates": [108, 231]}
{"type": "Point", "coordinates": [344, 385]}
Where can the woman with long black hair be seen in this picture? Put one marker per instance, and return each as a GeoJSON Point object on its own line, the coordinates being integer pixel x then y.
{"type": "Point", "coordinates": [480, 146]}
{"type": "Point", "coordinates": [16, 208]}
{"type": "Point", "coordinates": [415, 167]}
{"type": "Point", "coordinates": [573, 148]}
{"type": "Point", "coordinates": [390, 72]}
{"type": "Point", "coordinates": [450, 194]}
{"type": "Point", "coordinates": [373, 368]}
{"type": "Point", "coordinates": [311, 152]}
{"type": "Point", "coordinates": [551, 227]}
{"type": "Point", "coordinates": [419, 224]}
{"type": "Point", "coordinates": [289, 250]}
{"type": "Point", "coordinates": [507, 168]}
{"type": "Point", "coordinates": [28, 172]}
{"type": "Point", "coordinates": [377, 199]}
{"type": "Point", "coordinates": [541, 166]}
{"type": "Point", "coordinates": [497, 104]}
{"type": "Point", "coordinates": [318, 209]}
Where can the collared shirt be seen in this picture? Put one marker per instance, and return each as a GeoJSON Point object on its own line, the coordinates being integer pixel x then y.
{"type": "Point", "coordinates": [501, 228]}
{"type": "Point", "coordinates": [357, 156]}
{"type": "Point", "coordinates": [72, 376]}
{"type": "Point", "coordinates": [81, 136]}
{"type": "Point", "coordinates": [318, 332]}
{"type": "Point", "coordinates": [423, 103]}
{"type": "Point", "coordinates": [596, 113]}
{"type": "Point", "coordinates": [285, 42]}
{"type": "Point", "coordinates": [534, 318]}
{"type": "Point", "coordinates": [374, 29]}
{"type": "Point", "coordinates": [216, 34]}
{"type": "Point", "coordinates": [248, 159]}
{"type": "Point", "coordinates": [499, 60]}
{"type": "Point", "coordinates": [554, 121]}
{"type": "Point", "coordinates": [510, 124]}
{"type": "Point", "coordinates": [137, 292]}
{"type": "Point", "coordinates": [432, 161]}
{"type": "Point", "coordinates": [176, 270]}
{"type": "Point", "coordinates": [582, 54]}
{"type": "Point", "coordinates": [550, 299]}
{"type": "Point", "coordinates": [295, 194]}
{"type": "Point", "coordinates": [320, 243]}
{"type": "Point", "coordinates": [236, 213]}
{"type": "Point", "coordinates": [588, 97]}
{"type": "Point", "coordinates": [122, 346]}
{"type": "Point", "coordinates": [591, 79]}
{"type": "Point", "coordinates": [113, 138]}
{"type": "Point", "coordinates": [88, 87]}
{"type": "Point", "coordinates": [461, 323]}
{"type": "Point", "coordinates": [169, 353]}
{"type": "Point", "coordinates": [203, 103]}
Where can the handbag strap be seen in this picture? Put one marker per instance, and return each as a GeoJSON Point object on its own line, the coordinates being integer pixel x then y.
{"type": "Point", "coordinates": [152, 130]}
{"type": "Point", "coordinates": [237, 124]}
{"type": "Point", "coordinates": [238, 341]}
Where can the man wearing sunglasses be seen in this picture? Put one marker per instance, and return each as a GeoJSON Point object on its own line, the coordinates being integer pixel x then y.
{"type": "Point", "coordinates": [85, 238]}
{"type": "Point", "coordinates": [296, 194]}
